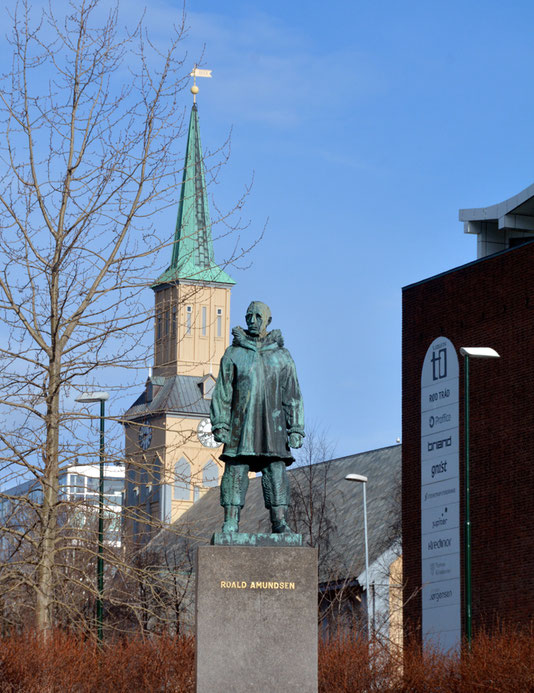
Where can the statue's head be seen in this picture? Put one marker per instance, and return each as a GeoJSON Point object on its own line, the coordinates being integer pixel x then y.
{"type": "Point", "coordinates": [258, 318]}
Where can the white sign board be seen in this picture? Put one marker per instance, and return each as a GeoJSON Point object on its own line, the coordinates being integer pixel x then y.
{"type": "Point", "coordinates": [440, 496]}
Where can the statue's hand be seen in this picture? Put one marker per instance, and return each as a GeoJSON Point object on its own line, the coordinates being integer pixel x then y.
{"type": "Point", "coordinates": [221, 435]}
{"type": "Point", "coordinates": [295, 440]}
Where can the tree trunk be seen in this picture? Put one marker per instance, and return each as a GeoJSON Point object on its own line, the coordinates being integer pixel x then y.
{"type": "Point", "coordinates": [50, 482]}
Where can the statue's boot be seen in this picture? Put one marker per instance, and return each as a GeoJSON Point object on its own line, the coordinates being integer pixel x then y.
{"type": "Point", "coordinates": [278, 519]}
{"type": "Point", "coordinates": [231, 518]}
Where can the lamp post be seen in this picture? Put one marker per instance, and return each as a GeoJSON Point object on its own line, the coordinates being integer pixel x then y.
{"type": "Point", "coordinates": [88, 398]}
{"type": "Point", "coordinates": [363, 480]}
{"type": "Point", "coordinates": [467, 353]}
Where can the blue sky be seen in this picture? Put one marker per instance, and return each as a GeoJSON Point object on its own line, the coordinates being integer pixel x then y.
{"type": "Point", "coordinates": [367, 125]}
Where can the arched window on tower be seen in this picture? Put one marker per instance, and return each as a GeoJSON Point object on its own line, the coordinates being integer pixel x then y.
{"type": "Point", "coordinates": [173, 322]}
{"type": "Point", "coordinates": [188, 318]}
{"type": "Point", "coordinates": [182, 480]}
{"type": "Point", "coordinates": [210, 474]}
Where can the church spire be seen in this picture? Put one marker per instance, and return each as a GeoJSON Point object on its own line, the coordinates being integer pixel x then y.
{"type": "Point", "coordinates": [192, 251]}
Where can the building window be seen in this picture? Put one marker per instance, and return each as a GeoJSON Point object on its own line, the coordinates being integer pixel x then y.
{"type": "Point", "coordinates": [210, 474]}
{"type": "Point", "coordinates": [173, 327]}
{"type": "Point", "coordinates": [63, 491]}
{"type": "Point", "coordinates": [158, 329]}
{"type": "Point", "coordinates": [219, 322]}
{"type": "Point", "coordinates": [166, 322]}
{"type": "Point", "coordinates": [182, 480]}
{"type": "Point", "coordinates": [196, 493]}
{"type": "Point", "coordinates": [77, 484]}
{"type": "Point", "coordinates": [188, 317]}
{"type": "Point", "coordinates": [93, 484]}
{"type": "Point", "coordinates": [204, 320]}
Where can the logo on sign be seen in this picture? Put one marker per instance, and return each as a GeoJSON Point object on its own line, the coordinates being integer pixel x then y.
{"type": "Point", "coordinates": [439, 444]}
{"type": "Point", "coordinates": [439, 569]}
{"type": "Point", "coordinates": [436, 544]}
{"type": "Point", "coordinates": [440, 521]}
{"type": "Point", "coordinates": [438, 420]}
{"type": "Point", "coordinates": [439, 468]}
{"type": "Point", "coordinates": [439, 364]}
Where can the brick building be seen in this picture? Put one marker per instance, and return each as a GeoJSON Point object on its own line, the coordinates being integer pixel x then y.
{"type": "Point", "coordinates": [489, 302]}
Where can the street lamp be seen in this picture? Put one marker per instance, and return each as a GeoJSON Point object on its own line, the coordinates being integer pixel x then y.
{"type": "Point", "coordinates": [88, 398]}
{"type": "Point", "coordinates": [363, 480]}
{"type": "Point", "coordinates": [467, 353]}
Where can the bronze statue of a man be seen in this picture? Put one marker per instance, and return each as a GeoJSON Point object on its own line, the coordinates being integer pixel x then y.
{"type": "Point", "coordinates": [257, 412]}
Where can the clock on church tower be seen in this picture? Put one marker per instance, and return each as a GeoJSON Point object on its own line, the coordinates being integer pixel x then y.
{"type": "Point", "coordinates": [171, 455]}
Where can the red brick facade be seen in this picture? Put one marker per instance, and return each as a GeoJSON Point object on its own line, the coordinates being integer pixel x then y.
{"type": "Point", "coordinates": [489, 302]}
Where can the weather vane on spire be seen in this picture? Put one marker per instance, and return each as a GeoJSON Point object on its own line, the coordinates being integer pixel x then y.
{"type": "Point", "coordinates": [197, 72]}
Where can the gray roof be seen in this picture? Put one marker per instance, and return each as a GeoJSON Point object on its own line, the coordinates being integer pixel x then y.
{"type": "Point", "coordinates": [342, 545]}
{"type": "Point", "coordinates": [179, 394]}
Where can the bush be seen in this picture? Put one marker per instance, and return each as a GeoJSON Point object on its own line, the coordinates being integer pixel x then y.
{"type": "Point", "coordinates": [70, 664]}
{"type": "Point", "coordinates": [501, 662]}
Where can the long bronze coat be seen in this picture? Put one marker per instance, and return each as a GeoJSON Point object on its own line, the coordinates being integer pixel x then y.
{"type": "Point", "coordinates": [257, 398]}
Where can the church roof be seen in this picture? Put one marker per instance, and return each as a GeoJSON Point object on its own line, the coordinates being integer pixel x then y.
{"type": "Point", "coordinates": [346, 557]}
{"type": "Point", "coordinates": [179, 394]}
{"type": "Point", "coordinates": [192, 251]}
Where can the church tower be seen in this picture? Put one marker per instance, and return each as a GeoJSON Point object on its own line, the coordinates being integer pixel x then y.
{"type": "Point", "coordinates": [171, 456]}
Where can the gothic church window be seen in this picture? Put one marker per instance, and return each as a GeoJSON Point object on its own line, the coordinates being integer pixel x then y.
{"type": "Point", "coordinates": [188, 314]}
{"type": "Point", "coordinates": [182, 480]}
{"type": "Point", "coordinates": [210, 474]}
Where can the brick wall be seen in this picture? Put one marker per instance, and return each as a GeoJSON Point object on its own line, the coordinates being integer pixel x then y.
{"type": "Point", "coordinates": [486, 303]}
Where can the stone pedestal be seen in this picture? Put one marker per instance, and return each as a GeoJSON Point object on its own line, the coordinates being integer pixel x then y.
{"type": "Point", "coordinates": [256, 619]}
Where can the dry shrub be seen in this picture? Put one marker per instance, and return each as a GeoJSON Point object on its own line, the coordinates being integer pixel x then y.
{"type": "Point", "coordinates": [348, 664]}
{"type": "Point", "coordinates": [501, 662]}
{"type": "Point", "coordinates": [430, 671]}
{"type": "Point", "coordinates": [70, 664]}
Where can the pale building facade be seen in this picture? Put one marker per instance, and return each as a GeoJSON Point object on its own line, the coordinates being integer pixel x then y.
{"type": "Point", "coordinates": [171, 456]}
{"type": "Point", "coordinates": [78, 493]}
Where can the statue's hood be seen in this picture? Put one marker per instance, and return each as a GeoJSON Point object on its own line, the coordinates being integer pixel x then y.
{"type": "Point", "coordinates": [272, 340]}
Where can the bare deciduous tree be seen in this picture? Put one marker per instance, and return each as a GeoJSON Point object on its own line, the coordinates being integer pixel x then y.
{"type": "Point", "coordinates": [90, 120]}
{"type": "Point", "coordinates": [313, 513]}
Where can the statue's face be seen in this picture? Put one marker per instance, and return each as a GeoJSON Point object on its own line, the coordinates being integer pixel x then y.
{"type": "Point", "coordinates": [258, 317]}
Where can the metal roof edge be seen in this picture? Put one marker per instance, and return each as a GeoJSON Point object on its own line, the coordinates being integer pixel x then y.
{"type": "Point", "coordinates": [496, 211]}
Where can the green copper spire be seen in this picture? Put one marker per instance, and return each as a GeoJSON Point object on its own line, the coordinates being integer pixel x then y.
{"type": "Point", "coordinates": [192, 251]}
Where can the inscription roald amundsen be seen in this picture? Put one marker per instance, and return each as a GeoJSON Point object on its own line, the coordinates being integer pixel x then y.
{"type": "Point", "coordinates": [261, 585]}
